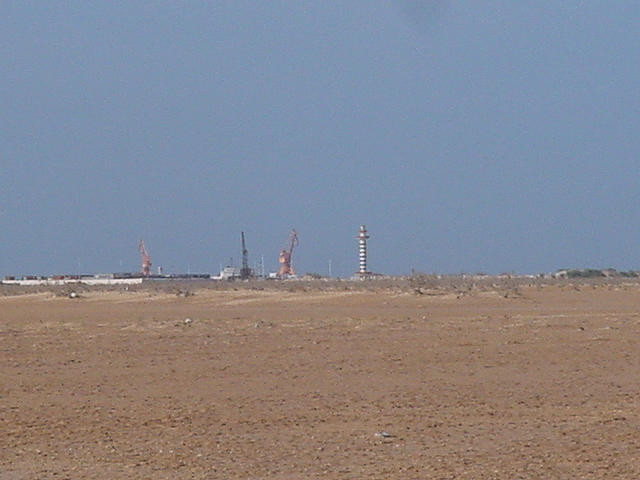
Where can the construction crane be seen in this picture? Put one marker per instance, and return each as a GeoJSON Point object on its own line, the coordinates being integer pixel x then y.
{"type": "Point", "coordinates": [286, 268]}
{"type": "Point", "coordinates": [145, 259]}
{"type": "Point", "coordinates": [245, 271]}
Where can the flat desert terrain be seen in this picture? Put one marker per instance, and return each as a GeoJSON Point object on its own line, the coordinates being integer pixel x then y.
{"type": "Point", "coordinates": [534, 382]}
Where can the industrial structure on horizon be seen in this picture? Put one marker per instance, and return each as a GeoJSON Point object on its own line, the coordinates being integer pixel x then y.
{"type": "Point", "coordinates": [229, 272]}
{"type": "Point", "coordinates": [245, 271]}
{"type": "Point", "coordinates": [362, 253]}
{"type": "Point", "coordinates": [286, 267]}
{"type": "Point", "coordinates": [145, 259]}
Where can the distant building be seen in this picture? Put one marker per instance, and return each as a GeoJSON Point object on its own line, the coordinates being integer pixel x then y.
{"type": "Point", "coordinates": [227, 273]}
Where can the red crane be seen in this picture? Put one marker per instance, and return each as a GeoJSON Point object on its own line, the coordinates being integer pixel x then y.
{"type": "Point", "coordinates": [145, 259]}
{"type": "Point", "coordinates": [285, 256]}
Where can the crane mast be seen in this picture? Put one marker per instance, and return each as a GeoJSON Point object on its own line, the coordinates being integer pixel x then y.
{"type": "Point", "coordinates": [245, 271]}
{"type": "Point", "coordinates": [286, 268]}
{"type": "Point", "coordinates": [145, 259]}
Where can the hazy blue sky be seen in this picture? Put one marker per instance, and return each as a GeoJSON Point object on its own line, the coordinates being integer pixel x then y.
{"type": "Point", "coordinates": [468, 136]}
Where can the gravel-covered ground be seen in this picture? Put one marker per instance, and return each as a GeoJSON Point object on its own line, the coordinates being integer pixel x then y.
{"type": "Point", "coordinates": [490, 380]}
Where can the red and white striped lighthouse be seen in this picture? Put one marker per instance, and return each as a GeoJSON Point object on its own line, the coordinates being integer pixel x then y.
{"type": "Point", "coordinates": [362, 251]}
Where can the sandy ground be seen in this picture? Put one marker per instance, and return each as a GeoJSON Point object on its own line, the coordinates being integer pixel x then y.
{"type": "Point", "coordinates": [539, 383]}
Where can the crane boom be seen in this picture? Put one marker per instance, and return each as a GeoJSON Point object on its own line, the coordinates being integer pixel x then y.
{"type": "Point", "coordinates": [245, 271]}
{"type": "Point", "coordinates": [145, 259]}
{"type": "Point", "coordinates": [286, 268]}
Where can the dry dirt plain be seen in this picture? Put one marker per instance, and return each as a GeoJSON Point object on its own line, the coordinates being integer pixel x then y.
{"type": "Point", "coordinates": [539, 382]}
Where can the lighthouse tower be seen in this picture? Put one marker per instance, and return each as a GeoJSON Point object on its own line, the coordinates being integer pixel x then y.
{"type": "Point", "coordinates": [362, 252]}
